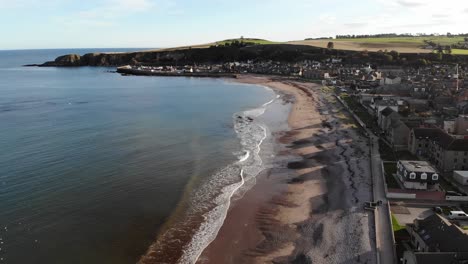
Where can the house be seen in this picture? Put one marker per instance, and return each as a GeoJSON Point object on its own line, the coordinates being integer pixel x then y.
{"type": "Point", "coordinates": [447, 152]}
{"type": "Point", "coordinates": [383, 118]}
{"type": "Point", "coordinates": [461, 125]}
{"type": "Point", "coordinates": [436, 240]}
{"type": "Point", "coordinates": [380, 105]}
{"type": "Point", "coordinates": [461, 177]}
{"type": "Point", "coordinates": [410, 257]}
{"type": "Point", "coordinates": [417, 105]}
{"type": "Point", "coordinates": [396, 131]}
{"type": "Point", "coordinates": [390, 80]}
{"type": "Point", "coordinates": [416, 174]}
{"type": "Point", "coordinates": [443, 101]}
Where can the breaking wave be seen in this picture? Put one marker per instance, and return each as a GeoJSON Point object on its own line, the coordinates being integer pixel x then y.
{"type": "Point", "coordinates": [232, 178]}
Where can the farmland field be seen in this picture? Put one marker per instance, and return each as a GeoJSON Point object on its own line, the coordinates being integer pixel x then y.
{"type": "Point", "coordinates": [400, 44]}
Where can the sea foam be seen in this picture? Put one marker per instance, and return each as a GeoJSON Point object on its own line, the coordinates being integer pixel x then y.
{"type": "Point", "coordinates": [251, 134]}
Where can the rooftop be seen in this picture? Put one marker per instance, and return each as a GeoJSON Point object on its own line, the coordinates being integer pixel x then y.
{"type": "Point", "coordinates": [462, 173]}
{"type": "Point", "coordinates": [418, 166]}
{"type": "Point", "coordinates": [439, 234]}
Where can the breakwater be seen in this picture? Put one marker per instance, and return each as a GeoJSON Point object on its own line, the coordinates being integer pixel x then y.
{"type": "Point", "coordinates": [146, 72]}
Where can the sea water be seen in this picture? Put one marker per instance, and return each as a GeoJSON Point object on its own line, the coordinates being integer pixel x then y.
{"type": "Point", "coordinates": [95, 166]}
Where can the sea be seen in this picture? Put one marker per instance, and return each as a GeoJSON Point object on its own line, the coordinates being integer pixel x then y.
{"type": "Point", "coordinates": [96, 167]}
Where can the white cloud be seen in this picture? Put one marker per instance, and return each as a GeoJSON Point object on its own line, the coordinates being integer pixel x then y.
{"type": "Point", "coordinates": [412, 3]}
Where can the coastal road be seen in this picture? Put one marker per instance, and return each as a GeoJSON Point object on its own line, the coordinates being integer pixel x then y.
{"type": "Point", "coordinates": [384, 237]}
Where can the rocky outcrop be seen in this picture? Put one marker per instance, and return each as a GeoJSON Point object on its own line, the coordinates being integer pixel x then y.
{"type": "Point", "coordinates": [65, 60]}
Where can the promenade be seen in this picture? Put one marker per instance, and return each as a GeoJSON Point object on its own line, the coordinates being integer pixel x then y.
{"type": "Point", "coordinates": [383, 225]}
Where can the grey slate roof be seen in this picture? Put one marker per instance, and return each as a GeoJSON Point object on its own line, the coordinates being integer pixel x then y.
{"type": "Point", "coordinates": [387, 111]}
{"type": "Point", "coordinates": [438, 235]}
{"type": "Point", "coordinates": [445, 140]}
{"type": "Point", "coordinates": [440, 257]}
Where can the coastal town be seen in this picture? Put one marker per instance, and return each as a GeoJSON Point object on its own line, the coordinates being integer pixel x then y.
{"type": "Point", "coordinates": [417, 118]}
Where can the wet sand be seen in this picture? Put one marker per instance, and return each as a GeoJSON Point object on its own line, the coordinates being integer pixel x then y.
{"type": "Point", "coordinates": [308, 208]}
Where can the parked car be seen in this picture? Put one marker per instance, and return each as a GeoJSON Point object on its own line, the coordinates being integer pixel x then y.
{"type": "Point", "coordinates": [457, 215]}
{"type": "Point", "coordinates": [437, 209]}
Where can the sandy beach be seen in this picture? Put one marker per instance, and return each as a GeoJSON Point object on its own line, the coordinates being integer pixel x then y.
{"type": "Point", "coordinates": [308, 208]}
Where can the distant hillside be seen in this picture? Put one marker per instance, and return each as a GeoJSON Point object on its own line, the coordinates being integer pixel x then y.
{"type": "Point", "coordinates": [400, 44]}
{"type": "Point", "coordinates": [409, 51]}
{"type": "Point", "coordinates": [247, 41]}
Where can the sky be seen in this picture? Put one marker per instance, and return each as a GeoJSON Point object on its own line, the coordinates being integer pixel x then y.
{"type": "Point", "coordinates": [38, 24]}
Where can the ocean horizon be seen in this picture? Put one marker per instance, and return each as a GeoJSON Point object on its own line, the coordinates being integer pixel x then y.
{"type": "Point", "coordinates": [95, 165]}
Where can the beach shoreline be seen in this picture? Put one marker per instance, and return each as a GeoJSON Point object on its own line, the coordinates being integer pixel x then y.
{"type": "Point", "coordinates": [302, 208]}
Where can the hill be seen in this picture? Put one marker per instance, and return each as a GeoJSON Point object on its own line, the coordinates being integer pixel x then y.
{"type": "Point", "coordinates": [246, 41]}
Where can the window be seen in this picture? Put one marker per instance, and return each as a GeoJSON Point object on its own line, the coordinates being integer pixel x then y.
{"type": "Point", "coordinates": [420, 145]}
{"type": "Point", "coordinates": [455, 160]}
{"type": "Point", "coordinates": [424, 176]}
{"type": "Point", "coordinates": [412, 176]}
{"type": "Point", "coordinates": [465, 153]}
{"type": "Point", "coordinates": [435, 177]}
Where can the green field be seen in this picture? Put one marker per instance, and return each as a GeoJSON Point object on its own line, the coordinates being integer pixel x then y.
{"type": "Point", "coordinates": [459, 52]}
{"type": "Point", "coordinates": [442, 40]}
{"type": "Point", "coordinates": [374, 44]}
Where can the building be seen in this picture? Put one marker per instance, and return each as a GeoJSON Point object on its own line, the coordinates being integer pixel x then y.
{"type": "Point", "coordinates": [461, 125]}
{"type": "Point", "coordinates": [410, 257]}
{"type": "Point", "coordinates": [390, 80]}
{"type": "Point", "coordinates": [447, 152]}
{"type": "Point", "coordinates": [416, 174]}
{"type": "Point", "coordinates": [461, 177]}
{"type": "Point", "coordinates": [435, 240]}
{"type": "Point", "coordinates": [380, 105]}
{"type": "Point", "coordinates": [395, 130]}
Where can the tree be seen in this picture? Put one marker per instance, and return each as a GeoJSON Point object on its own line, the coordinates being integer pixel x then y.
{"type": "Point", "coordinates": [388, 58]}
{"type": "Point", "coordinates": [395, 54]}
{"type": "Point", "coordinates": [330, 45]}
{"type": "Point", "coordinates": [422, 62]}
{"type": "Point", "coordinates": [448, 49]}
{"type": "Point", "coordinates": [440, 50]}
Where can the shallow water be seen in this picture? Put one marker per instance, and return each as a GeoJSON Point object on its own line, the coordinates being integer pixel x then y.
{"type": "Point", "coordinates": [94, 163]}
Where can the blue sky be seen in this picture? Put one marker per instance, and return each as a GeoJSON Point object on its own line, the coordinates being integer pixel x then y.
{"type": "Point", "coordinates": [164, 23]}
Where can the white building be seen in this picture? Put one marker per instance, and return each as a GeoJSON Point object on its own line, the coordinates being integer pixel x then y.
{"type": "Point", "coordinates": [461, 177]}
{"type": "Point", "coordinates": [416, 174]}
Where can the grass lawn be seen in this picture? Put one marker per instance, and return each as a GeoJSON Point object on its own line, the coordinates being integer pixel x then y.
{"type": "Point", "coordinates": [395, 225]}
{"type": "Point", "coordinates": [459, 51]}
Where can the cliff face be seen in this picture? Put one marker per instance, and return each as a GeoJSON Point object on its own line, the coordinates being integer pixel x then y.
{"type": "Point", "coordinates": [190, 56]}
{"type": "Point", "coordinates": [276, 52]}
